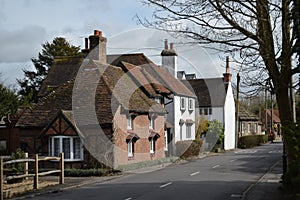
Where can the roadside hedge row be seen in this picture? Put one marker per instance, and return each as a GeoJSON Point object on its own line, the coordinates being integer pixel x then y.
{"type": "Point", "coordinates": [186, 149]}
{"type": "Point", "coordinates": [86, 172]}
{"type": "Point", "coordinates": [248, 141]}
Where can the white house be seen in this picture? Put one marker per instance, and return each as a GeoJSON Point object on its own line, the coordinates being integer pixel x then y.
{"type": "Point", "coordinates": [215, 101]}
{"type": "Point", "coordinates": [181, 108]}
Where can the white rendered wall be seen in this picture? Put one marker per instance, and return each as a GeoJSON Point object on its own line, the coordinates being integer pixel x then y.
{"type": "Point", "coordinates": [229, 120]}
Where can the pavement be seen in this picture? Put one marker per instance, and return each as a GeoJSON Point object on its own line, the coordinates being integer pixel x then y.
{"type": "Point", "coordinates": [266, 188]}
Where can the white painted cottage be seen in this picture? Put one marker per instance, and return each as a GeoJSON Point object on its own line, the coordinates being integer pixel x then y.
{"type": "Point", "coordinates": [215, 101]}
{"type": "Point", "coordinates": [181, 108]}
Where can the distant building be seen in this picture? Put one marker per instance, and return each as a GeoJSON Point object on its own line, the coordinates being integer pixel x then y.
{"type": "Point", "coordinates": [249, 123]}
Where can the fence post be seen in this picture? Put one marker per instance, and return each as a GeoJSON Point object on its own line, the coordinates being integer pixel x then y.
{"type": "Point", "coordinates": [36, 171]}
{"type": "Point", "coordinates": [1, 178]}
{"type": "Point", "coordinates": [26, 166]}
{"type": "Point", "coordinates": [62, 166]}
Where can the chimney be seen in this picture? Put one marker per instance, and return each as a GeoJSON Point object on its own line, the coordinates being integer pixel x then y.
{"type": "Point", "coordinates": [85, 52]}
{"type": "Point", "coordinates": [98, 46]}
{"type": "Point", "coordinates": [169, 58]}
{"type": "Point", "coordinates": [227, 75]}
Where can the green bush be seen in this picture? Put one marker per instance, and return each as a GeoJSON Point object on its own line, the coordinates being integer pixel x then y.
{"type": "Point", "coordinates": [248, 141]}
{"type": "Point", "coordinates": [186, 149]}
{"type": "Point", "coordinates": [86, 172]}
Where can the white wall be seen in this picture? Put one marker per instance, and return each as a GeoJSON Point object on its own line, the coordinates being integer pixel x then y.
{"type": "Point", "coordinates": [217, 113]}
{"type": "Point", "coordinates": [229, 120]}
{"type": "Point", "coordinates": [183, 114]}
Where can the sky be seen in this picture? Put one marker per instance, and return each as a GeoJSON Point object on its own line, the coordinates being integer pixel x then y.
{"type": "Point", "coordinates": [26, 24]}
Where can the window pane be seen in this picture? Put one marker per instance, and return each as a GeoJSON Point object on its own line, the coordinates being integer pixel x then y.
{"type": "Point", "coordinates": [56, 147]}
{"type": "Point", "coordinates": [188, 131]}
{"type": "Point", "coordinates": [50, 147]}
{"type": "Point", "coordinates": [77, 148]}
{"type": "Point", "coordinates": [66, 148]}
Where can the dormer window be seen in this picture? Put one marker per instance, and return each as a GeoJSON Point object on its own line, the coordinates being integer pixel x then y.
{"type": "Point", "coordinates": [182, 103]}
{"type": "Point", "coordinates": [158, 100]}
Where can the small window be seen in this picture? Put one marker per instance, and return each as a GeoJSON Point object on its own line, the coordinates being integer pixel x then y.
{"type": "Point", "coordinates": [243, 127]}
{"type": "Point", "coordinates": [130, 149]}
{"type": "Point", "coordinates": [255, 128]}
{"type": "Point", "coordinates": [152, 145]}
{"type": "Point", "coordinates": [180, 131]}
{"type": "Point", "coordinates": [188, 131]}
{"type": "Point", "coordinates": [182, 103]}
{"type": "Point", "coordinates": [166, 141]}
{"type": "Point", "coordinates": [210, 111]}
{"type": "Point", "coordinates": [3, 145]}
{"type": "Point", "coordinates": [249, 128]}
{"type": "Point", "coordinates": [151, 122]}
{"type": "Point", "coordinates": [129, 122]}
{"type": "Point", "coordinates": [191, 104]}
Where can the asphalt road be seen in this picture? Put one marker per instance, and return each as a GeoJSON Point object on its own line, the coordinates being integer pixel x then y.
{"type": "Point", "coordinates": [220, 177]}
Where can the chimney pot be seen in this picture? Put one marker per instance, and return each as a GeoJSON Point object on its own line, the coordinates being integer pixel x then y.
{"type": "Point", "coordinates": [227, 64]}
{"type": "Point", "coordinates": [95, 32]}
{"type": "Point", "coordinates": [100, 34]}
{"type": "Point", "coordinates": [172, 46]}
{"type": "Point", "coordinates": [166, 44]}
{"type": "Point", "coordinates": [86, 41]}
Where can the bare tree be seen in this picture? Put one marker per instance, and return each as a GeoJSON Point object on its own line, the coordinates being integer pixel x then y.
{"type": "Point", "coordinates": [258, 33]}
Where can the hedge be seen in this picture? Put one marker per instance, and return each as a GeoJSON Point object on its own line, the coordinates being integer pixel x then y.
{"type": "Point", "coordinates": [248, 141]}
{"type": "Point", "coordinates": [86, 172]}
{"type": "Point", "coordinates": [186, 149]}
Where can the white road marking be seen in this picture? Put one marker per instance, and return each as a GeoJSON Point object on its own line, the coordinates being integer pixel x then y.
{"type": "Point", "coordinates": [272, 181]}
{"type": "Point", "coordinates": [193, 174]}
{"type": "Point", "coordinates": [232, 160]}
{"type": "Point", "coordinates": [165, 185]}
{"type": "Point", "coordinates": [128, 198]}
{"type": "Point", "coordinates": [236, 196]}
{"type": "Point", "coordinates": [216, 166]}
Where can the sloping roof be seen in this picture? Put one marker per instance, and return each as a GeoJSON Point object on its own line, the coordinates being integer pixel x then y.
{"type": "Point", "coordinates": [245, 115]}
{"type": "Point", "coordinates": [276, 118]}
{"type": "Point", "coordinates": [63, 70]}
{"type": "Point", "coordinates": [134, 58]}
{"type": "Point", "coordinates": [108, 88]}
{"type": "Point", "coordinates": [168, 80]}
{"type": "Point", "coordinates": [210, 92]}
{"type": "Point", "coordinates": [144, 79]}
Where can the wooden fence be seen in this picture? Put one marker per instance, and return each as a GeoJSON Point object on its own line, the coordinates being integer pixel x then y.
{"type": "Point", "coordinates": [36, 174]}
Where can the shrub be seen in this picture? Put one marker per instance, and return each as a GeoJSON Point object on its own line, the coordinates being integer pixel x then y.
{"type": "Point", "coordinates": [186, 149]}
{"type": "Point", "coordinates": [18, 167]}
{"type": "Point", "coordinates": [252, 140]}
{"type": "Point", "coordinates": [86, 172]}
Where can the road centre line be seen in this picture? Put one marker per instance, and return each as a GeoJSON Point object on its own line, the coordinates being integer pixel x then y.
{"type": "Point", "coordinates": [216, 166]}
{"type": "Point", "coordinates": [164, 185]}
{"type": "Point", "coordinates": [193, 174]}
{"type": "Point", "coordinates": [128, 198]}
{"type": "Point", "coordinates": [232, 160]}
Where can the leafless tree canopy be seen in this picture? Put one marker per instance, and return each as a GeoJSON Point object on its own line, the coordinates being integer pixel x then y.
{"type": "Point", "coordinates": [255, 32]}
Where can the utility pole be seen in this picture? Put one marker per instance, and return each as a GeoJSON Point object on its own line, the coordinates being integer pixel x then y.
{"type": "Point", "coordinates": [237, 127]}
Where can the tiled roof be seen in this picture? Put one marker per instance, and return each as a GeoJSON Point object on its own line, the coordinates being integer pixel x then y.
{"type": "Point", "coordinates": [245, 115]}
{"type": "Point", "coordinates": [209, 92]}
{"type": "Point", "coordinates": [113, 84]}
{"type": "Point", "coordinates": [144, 79]}
{"type": "Point", "coordinates": [135, 59]}
{"type": "Point", "coordinates": [63, 70]}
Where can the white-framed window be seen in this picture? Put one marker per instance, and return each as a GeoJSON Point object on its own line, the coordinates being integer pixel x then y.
{"type": "Point", "coordinates": [129, 120]}
{"type": "Point", "coordinates": [166, 140]}
{"type": "Point", "coordinates": [180, 131]}
{"type": "Point", "coordinates": [151, 122]}
{"type": "Point", "coordinates": [249, 127]}
{"type": "Point", "coordinates": [255, 128]}
{"type": "Point", "coordinates": [205, 111]}
{"type": "Point", "coordinates": [130, 149]}
{"type": "Point", "coordinates": [70, 145]}
{"type": "Point", "coordinates": [182, 103]}
{"type": "Point", "coordinates": [152, 145]}
{"type": "Point", "coordinates": [191, 104]}
{"type": "Point", "coordinates": [243, 127]}
{"type": "Point", "coordinates": [188, 131]}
